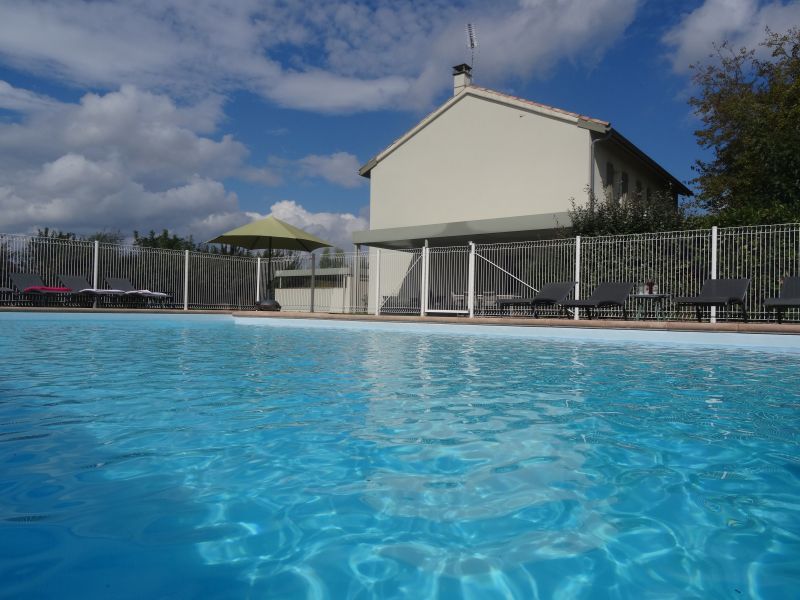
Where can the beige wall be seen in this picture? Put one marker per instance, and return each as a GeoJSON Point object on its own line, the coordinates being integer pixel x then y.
{"type": "Point", "coordinates": [623, 161]}
{"type": "Point", "coordinates": [481, 160]}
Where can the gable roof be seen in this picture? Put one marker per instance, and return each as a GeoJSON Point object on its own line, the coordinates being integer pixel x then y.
{"type": "Point", "coordinates": [582, 121]}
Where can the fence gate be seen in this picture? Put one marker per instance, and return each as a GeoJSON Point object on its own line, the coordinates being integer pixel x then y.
{"type": "Point", "coordinates": [397, 279]}
{"type": "Point", "coordinates": [447, 278]}
{"type": "Point", "coordinates": [518, 270]}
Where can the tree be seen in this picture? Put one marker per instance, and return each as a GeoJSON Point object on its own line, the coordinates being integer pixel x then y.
{"type": "Point", "coordinates": [55, 234]}
{"type": "Point", "coordinates": [750, 112]}
{"type": "Point", "coordinates": [331, 259]}
{"type": "Point", "coordinates": [635, 212]}
{"type": "Point", "coordinates": [164, 240]}
{"type": "Point", "coordinates": [106, 237]}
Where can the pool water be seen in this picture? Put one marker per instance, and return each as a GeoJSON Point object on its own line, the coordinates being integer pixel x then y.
{"type": "Point", "coordinates": [181, 457]}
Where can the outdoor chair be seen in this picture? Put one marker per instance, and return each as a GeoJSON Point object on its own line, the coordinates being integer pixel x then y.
{"type": "Point", "coordinates": [488, 301]}
{"type": "Point", "coordinates": [5, 295]}
{"type": "Point", "coordinates": [719, 292]}
{"type": "Point", "coordinates": [788, 297]}
{"type": "Point", "coordinates": [79, 286]}
{"type": "Point", "coordinates": [605, 295]}
{"type": "Point", "coordinates": [550, 294]}
{"type": "Point", "coordinates": [32, 286]}
{"type": "Point", "coordinates": [120, 283]}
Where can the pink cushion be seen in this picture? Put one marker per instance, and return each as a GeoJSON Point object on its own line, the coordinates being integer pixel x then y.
{"type": "Point", "coordinates": [45, 289]}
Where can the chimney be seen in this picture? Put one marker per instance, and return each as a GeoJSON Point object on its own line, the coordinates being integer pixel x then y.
{"type": "Point", "coordinates": [462, 77]}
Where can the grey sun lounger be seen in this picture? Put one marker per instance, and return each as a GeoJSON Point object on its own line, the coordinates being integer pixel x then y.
{"type": "Point", "coordinates": [30, 283]}
{"type": "Point", "coordinates": [788, 297]}
{"type": "Point", "coordinates": [550, 294]}
{"type": "Point", "coordinates": [606, 294]}
{"type": "Point", "coordinates": [120, 283]}
{"type": "Point", "coordinates": [79, 286]}
{"type": "Point", "coordinates": [719, 292]}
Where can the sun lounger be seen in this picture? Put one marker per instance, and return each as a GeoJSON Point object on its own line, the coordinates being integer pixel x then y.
{"type": "Point", "coordinates": [120, 283]}
{"type": "Point", "coordinates": [605, 295]}
{"type": "Point", "coordinates": [788, 297]}
{"type": "Point", "coordinates": [32, 286]}
{"type": "Point", "coordinates": [79, 286]}
{"type": "Point", "coordinates": [550, 294]}
{"type": "Point", "coordinates": [719, 292]}
{"type": "Point", "coordinates": [29, 283]}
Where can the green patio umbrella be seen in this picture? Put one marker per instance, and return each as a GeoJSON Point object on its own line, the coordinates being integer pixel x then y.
{"type": "Point", "coordinates": [269, 233]}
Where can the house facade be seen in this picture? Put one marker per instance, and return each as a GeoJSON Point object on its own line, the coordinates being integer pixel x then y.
{"type": "Point", "coordinates": [489, 167]}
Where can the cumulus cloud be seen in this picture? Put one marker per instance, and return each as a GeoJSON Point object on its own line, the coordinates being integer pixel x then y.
{"type": "Point", "coordinates": [336, 228]}
{"type": "Point", "coordinates": [340, 168]}
{"type": "Point", "coordinates": [126, 159]}
{"type": "Point", "coordinates": [135, 160]}
{"type": "Point", "coordinates": [315, 55]}
{"type": "Point", "coordinates": [742, 23]}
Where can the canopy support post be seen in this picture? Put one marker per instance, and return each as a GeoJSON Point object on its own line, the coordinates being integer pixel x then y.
{"type": "Point", "coordinates": [313, 278]}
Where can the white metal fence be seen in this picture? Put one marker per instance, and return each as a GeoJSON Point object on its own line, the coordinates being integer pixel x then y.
{"type": "Point", "coordinates": [471, 280]}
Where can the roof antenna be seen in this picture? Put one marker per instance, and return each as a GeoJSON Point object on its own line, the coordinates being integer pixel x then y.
{"type": "Point", "coordinates": [472, 42]}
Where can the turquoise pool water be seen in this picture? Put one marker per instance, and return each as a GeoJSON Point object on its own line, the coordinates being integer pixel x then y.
{"type": "Point", "coordinates": [167, 457]}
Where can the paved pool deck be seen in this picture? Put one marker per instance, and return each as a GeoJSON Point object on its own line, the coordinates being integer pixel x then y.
{"type": "Point", "coordinates": [725, 326]}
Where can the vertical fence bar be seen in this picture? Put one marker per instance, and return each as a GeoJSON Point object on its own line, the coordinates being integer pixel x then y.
{"type": "Point", "coordinates": [471, 281]}
{"type": "Point", "coordinates": [313, 280]}
{"type": "Point", "coordinates": [186, 281]}
{"type": "Point", "coordinates": [714, 267]}
{"type": "Point", "coordinates": [356, 290]}
{"type": "Point", "coordinates": [577, 274]}
{"type": "Point", "coordinates": [377, 282]}
{"type": "Point", "coordinates": [96, 269]}
{"type": "Point", "coordinates": [423, 284]}
{"type": "Point", "coordinates": [258, 280]}
{"type": "Point", "coordinates": [96, 265]}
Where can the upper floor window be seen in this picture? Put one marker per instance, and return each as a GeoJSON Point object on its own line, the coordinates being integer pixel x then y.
{"type": "Point", "coordinates": [638, 188]}
{"type": "Point", "coordinates": [610, 176]}
{"type": "Point", "coordinates": [623, 184]}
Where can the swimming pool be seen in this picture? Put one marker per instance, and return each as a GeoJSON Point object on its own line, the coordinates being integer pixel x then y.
{"type": "Point", "coordinates": [159, 456]}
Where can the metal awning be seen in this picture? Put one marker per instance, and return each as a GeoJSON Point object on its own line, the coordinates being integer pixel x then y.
{"type": "Point", "coordinates": [507, 229]}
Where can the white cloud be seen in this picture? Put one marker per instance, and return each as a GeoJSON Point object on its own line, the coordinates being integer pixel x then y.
{"type": "Point", "coordinates": [340, 168]}
{"type": "Point", "coordinates": [135, 160]}
{"type": "Point", "coordinates": [127, 159]}
{"type": "Point", "coordinates": [336, 228]}
{"type": "Point", "coordinates": [740, 22]}
{"type": "Point", "coordinates": [315, 55]}
{"type": "Point", "coordinates": [16, 99]}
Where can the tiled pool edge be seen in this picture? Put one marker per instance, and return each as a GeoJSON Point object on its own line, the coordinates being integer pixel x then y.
{"type": "Point", "coordinates": [730, 327]}
{"type": "Point", "coordinates": [762, 336]}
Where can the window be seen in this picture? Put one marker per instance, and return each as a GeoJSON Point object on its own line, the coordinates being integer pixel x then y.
{"type": "Point", "coordinates": [638, 188]}
{"type": "Point", "coordinates": [610, 179]}
{"type": "Point", "coordinates": [623, 184]}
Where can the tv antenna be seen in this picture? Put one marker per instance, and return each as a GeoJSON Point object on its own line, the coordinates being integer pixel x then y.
{"type": "Point", "coordinates": [472, 42]}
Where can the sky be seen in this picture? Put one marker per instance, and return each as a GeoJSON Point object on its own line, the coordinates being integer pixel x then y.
{"type": "Point", "coordinates": [198, 116]}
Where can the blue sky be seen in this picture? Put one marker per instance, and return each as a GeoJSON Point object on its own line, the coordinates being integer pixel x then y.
{"type": "Point", "coordinates": [200, 115]}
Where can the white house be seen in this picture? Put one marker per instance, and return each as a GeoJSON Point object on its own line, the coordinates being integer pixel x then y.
{"type": "Point", "coordinates": [489, 167]}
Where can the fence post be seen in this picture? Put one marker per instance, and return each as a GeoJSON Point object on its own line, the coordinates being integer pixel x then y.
{"type": "Point", "coordinates": [423, 284]}
{"type": "Point", "coordinates": [258, 279]}
{"type": "Point", "coordinates": [377, 282]}
{"type": "Point", "coordinates": [577, 275]}
{"type": "Point", "coordinates": [186, 281]}
{"type": "Point", "coordinates": [471, 281]}
{"type": "Point", "coordinates": [355, 288]}
{"type": "Point", "coordinates": [313, 278]}
{"type": "Point", "coordinates": [96, 269]}
{"type": "Point", "coordinates": [713, 318]}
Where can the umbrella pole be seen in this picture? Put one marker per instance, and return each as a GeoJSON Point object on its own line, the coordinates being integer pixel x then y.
{"type": "Point", "coordinates": [269, 272]}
